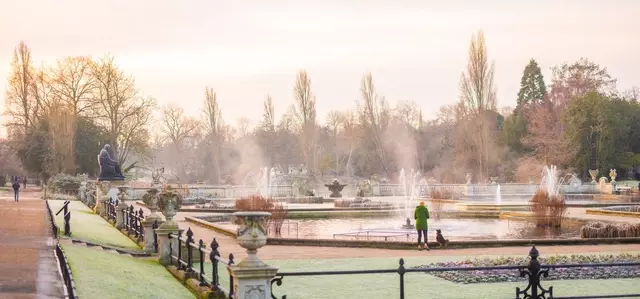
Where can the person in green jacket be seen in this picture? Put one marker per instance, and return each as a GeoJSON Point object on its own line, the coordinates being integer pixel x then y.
{"type": "Point", "coordinates": [421, 215]}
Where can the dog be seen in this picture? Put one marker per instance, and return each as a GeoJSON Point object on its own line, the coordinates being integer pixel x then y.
{"type": "Point", "coordinates": [441, 240]}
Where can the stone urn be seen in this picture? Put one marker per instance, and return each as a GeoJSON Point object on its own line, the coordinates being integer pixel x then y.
{"type": "Point", "coordinates": [150, 199]}
{"type": "Point", "coordinates": [494, 180]}
{"type": "Point", "coordinates": [335, 187]}
{"type": "Point", "coordinates": [251, 235]}
{"type": "Point", "coordinates": [593, 173]}
{"type": "Point", "coordinates": [122, 193]}
{"type": "Point", "coordinates": [169, 202]}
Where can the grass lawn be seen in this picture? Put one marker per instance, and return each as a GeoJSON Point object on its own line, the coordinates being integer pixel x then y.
{"type": "Point", "coordinates": [417, 285]}
{"type": "Point", "coordinates": [91, 227]}
{"type": "Point", "coordinates": [99, 274]}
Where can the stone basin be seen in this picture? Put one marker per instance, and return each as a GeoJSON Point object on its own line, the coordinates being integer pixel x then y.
{"type": "Point", "coordinates": [467, 206]}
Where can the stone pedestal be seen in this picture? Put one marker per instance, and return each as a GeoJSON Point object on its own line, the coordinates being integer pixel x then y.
{"type": "Point", "coordinates": [102, 187]}
{"type": "Point", "coordinates": [120, 209]}
{"type": "Point", "coordinates": [252, 282]}
{"type": "Point", "coordinates": [166, 245]}
{"type": "Point", "coordinates": [147, 224]}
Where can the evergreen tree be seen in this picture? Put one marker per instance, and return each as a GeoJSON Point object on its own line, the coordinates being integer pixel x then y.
{"type": "Point", "coordinates": [532, 87]}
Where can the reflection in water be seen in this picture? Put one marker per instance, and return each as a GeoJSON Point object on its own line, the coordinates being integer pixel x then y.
{"type": "Point", "coordinates": [388, 228]}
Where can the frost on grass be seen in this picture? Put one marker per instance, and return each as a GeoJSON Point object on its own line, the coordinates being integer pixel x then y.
{"type": "Point", "coordinates": [486, 276]}
{"type": "Point", "coordinates": [90, 227]}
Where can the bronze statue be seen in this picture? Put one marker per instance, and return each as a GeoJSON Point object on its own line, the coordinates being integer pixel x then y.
{"type": "Point", "coordinates": [109, 168]}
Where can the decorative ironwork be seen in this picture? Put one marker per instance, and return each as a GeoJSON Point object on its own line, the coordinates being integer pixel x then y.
{"type": "Point", "coordinates": [534, 272]}
{"type": "Point", "coordinates": [200, 272]}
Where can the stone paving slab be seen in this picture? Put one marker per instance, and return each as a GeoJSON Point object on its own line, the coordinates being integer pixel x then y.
{"type": "Point", "coordinates": [27, 257]}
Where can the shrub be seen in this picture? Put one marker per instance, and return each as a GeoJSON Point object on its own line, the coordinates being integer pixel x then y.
{"type": "Point", "coordinates": [259, 203]}
{"type": "Point", "coordinates": [440, 193]}
{"type": "Point", "coordinates": [435, 208]}
{"type": "Point", "coordinates": [548, 211]}
{"type": "Point", "coordinates": [609, 230]}
{"type": "Point", "coordinates": [3, 180]}
{"type": "Point", "coordinates": [64, 184]}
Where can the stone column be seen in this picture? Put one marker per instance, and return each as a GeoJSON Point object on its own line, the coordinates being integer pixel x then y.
{"type": "Point", "coordinates": [102, 187]}
{"type": "Point", "coordinates": [168, 202]}
{"type": "Point", "coordinates": [120, 210]}
{"type": "Point", "coordinates": [252, 277]}
{"type": "Point", "coordinates": [167, 246]}
{"type": "Point", "coordinates": [151, 200]}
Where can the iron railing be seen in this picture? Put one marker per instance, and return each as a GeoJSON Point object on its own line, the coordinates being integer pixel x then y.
{"type": "Point", "coordinates": [69, 288]}
{"type": "Point", "coordinates": [187, 264]}
{"type": "Point", "coordinates": [111, 205]}
{"type": "Point", "coordinates": [133, 222]}
{"type": "Point", "coordinates": [534, 272]}
{"type": "Point", "coordinates": [67, 217]}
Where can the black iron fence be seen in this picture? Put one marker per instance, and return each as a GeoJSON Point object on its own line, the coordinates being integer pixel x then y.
{"type": "Point", "coordinates": [111, 205]}
{"type": "Point", "coordinates": [534, 272]}
{"type": "Point", "coordinates": [63, 266]}
{"type": "Point", "coordinates": [196, 252]}
{"type": "Point", "coordinates": [133, 222]}
{"type": "Point", "coordinates": [67, 217]}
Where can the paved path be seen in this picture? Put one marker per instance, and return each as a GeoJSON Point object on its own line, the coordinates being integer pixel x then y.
{"type": "Point", "coordinates": [273, 252]}
{"type": "Point", "coordinates": [27, 260]}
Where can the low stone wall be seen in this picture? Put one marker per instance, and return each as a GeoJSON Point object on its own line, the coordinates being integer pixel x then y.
{"type": "Point", "coordinates": [452, 244]}
{"type": "Point", "coordinates": [212, 226]}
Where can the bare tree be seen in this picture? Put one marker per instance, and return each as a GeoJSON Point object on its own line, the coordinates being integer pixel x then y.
{"type": "Point", "coordinates": [214, 130]}
{"type": "Point", "coordinates": [305, 111]}
{"type": "Point", "coordinates": [178, 128]}
{"type": "Point", "coordinates": [268, 117]}
{"type": "Point", "coordinates": [120, 108]}
{"type": "Point", "coordinates": [20, 104]}
{"type": "Point", "coordinates": [478, 97]}
{"type": "Point", "coordinates": [373, 114]}
{"type": "Point", "coordinates": [74, 84]}
{"type": "Point", "coordinates": [244, 127]}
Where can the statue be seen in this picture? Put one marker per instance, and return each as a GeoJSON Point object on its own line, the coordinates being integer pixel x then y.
{"type": "Point", "coordinates": [109, 168]}
{"type": "Point", "coordinates": [157, 176]}
{"type": "Point", "coordinates": [613, 174]}
{"type": "Point", "coordinates": [468, 178]}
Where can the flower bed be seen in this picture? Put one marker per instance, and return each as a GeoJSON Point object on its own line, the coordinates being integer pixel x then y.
{"type": "Point", "coordinates": [629, 209]}
{"type": "Point", "coordinates": [488, 276]}
{"type": "Point", "coordinates": [609, 230]}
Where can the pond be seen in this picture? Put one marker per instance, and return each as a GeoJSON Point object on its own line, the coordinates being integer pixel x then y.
{"type": "Point", "coordinates": [389, 228]}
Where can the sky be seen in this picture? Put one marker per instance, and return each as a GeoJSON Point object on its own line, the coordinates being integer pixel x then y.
{"type": "Point", "coordinates": [416, 50]}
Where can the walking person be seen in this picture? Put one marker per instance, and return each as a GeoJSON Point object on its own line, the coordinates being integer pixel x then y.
{"type": "Point", "coordinates": [24, 182]}
{"type": "Point", "coordinates": [421, 215]}
{"type": "Point", "coordinates": [16, 188]}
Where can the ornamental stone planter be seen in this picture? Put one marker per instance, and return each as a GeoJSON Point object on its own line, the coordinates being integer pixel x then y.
{"type": "Point", "coordinates": [122, 207]}
{"type": "Point", "coordinates": [251, 235]}
{"type": "Point", "coordinates": [251, 277]}
{"type": "Point", "coordinates": [335, 187]}
{"type": "Point", "coordinates": [169, 202]}
{"type": "Point", "coordinates": [151, 200]}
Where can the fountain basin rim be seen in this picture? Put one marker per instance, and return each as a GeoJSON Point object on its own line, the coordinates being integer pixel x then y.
{"type": "Point", "coordinates": [251, 214]}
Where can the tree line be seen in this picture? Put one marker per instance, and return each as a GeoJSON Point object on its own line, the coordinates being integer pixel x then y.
{"type": "Point", "coordinates": [60, 116]}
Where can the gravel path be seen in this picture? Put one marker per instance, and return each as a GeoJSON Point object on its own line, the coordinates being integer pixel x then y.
{"type": "Point", "coordinates": [27, 258]}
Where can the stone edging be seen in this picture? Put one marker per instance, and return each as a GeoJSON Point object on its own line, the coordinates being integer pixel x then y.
{"type": "Point", "coordinates": [212, 226]}
{"type": "Point", "coordinates": [612, 213]}
{"type": "Point", "coordinates": [412, 245]}
{"type": "Point", "coordinates": [193, 285]}
{"type": "Point", "coordinates": [452, 244]}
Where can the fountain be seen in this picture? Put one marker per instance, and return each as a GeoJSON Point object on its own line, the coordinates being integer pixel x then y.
{"type": "Point", "coordinates": [261, 180]}
{"type": "Point", "coordinates": [409, 187]}
{"type": "Point", "coordinates": [550, 182]}
{"type": "Point", "coordinates": [498, 196]}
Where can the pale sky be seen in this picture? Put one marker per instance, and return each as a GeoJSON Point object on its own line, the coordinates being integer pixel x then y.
{"type": "Point", "coordinates": [415, 49]}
